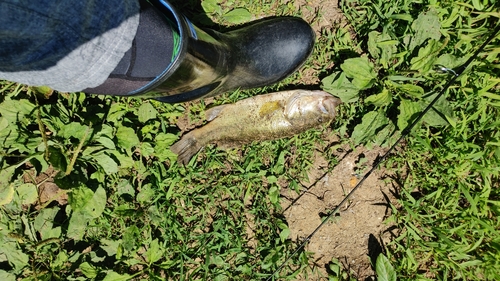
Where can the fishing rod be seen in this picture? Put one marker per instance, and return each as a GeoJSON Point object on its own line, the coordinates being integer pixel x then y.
{"type": "Point", "coordinates": [455, 74]}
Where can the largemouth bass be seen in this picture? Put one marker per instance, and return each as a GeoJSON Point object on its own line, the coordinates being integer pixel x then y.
{"type": "Point", "coordinates": [263, 117]}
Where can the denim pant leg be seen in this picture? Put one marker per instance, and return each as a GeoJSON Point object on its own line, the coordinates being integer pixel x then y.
{"type": "Point", "coordinates": [68, 45]}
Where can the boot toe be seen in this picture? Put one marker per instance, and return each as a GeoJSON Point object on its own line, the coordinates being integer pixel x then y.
{"type": "Point", "coordinates": [270, 50]}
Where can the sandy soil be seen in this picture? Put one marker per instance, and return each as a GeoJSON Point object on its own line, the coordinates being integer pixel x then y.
{"type": "Point", "coordinates": [357, 234]}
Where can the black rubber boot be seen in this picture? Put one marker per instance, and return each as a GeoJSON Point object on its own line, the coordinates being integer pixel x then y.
{"type": "Point", "coordinates": [209, 63]}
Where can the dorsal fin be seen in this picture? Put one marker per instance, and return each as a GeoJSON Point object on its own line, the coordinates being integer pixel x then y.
{"type": "Point", "coordinates": [212, 113]}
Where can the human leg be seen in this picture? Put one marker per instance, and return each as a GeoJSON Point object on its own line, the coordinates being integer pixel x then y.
{"type": "Point", "coordinates": [67, 45]}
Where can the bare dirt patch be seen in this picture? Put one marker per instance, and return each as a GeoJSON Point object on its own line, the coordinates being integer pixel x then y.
{"type": "Point", "coordinates": [48, 191]}
{"type": "Point", "coordinates": [358, 233]}
{"type": "Point", "coordinates": [322, 15]}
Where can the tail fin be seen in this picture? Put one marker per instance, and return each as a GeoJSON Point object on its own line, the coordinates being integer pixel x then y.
{"type": "Point", "coordinates": [186, 147]}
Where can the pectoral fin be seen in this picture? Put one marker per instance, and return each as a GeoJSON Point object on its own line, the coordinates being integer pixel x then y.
{"type": "Point", "coordinates": [212, 113]}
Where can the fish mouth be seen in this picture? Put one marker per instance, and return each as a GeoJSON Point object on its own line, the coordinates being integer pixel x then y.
{"type": "Point", "coordinates": [327, 106]}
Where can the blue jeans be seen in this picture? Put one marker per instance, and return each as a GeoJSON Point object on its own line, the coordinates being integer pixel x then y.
{"type": "Point", "coordinates": [68, 45]}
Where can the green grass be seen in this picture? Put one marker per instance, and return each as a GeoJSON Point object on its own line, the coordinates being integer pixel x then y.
{"type": "Point", "coordinates": [132, 212]}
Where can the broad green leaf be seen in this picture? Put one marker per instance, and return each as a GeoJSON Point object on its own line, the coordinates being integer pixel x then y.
{"type": "Point", "coordinates": [130, 238]}
{"type": "Point", "coordinates": [16, 257]}
{"type": "Point", "coordinates": [9, 134]}
{"type": "Point", "coordinates": [127, 138]}
{"type": "Point", "coordinates": [147, 149]}
{"type": "Point", "coordinates": [385, 135]}
{"type": "Point", "coordinates": [119, 251]}
{"type": "Point", "coordinates": [6, 194]}
{"type": "Point", "coordinates": [211, 6]}
{"type": "Point", "coordinates": [116, 112]}
{"type": "Point", "coordinates": [155, 215]}
{"type": "Point", "coordinates": [382, 46]}
{"type": "Point", "coordinates": [408, 110]}
{"type": "Point", "coordinates": [146, 112]}
{"type": "Point", "coordinates": [154, 252]}
{"type": "Point", "coordinates": [385, 270]}
{"type": "Point", "coordinates": [77, 225]}
{"type": "Point", "coordinates": [84, 200]}
{"type": "Point", "coordinates": [99, 175]}
{"type": "Point", "coordinates": [43, 223]}
{"type": "Point", "coordinates": [27, 193]}
{"type": "Point", "coordinates": [280, 166]}
{"type": "Point", "coordinates": [450, 61]}
{"type": "Point", "coordinates": [73, 130]}
{"type": "Point", "coordinates": [362, 84]}
{"type": "Point", "coordinates": [16, 110]}
{"type": "Point", "coordinates": [338, 85]}
{"type": "Point", "coordinates": [360, 70]}
{"type": "Point", "coordinates": [113, 276]}
{"type": "Point", "coordinates": [96, 206]}
{"type": "Point", "coordinates": [217, 260]}
{"type": "Point", "coordinates": [29, 232]}
{"type": "Point", "coordinates": [146, 194]}
{"type": "Point", "coordinates": [434, 117]}
{"type": "Point", "coordinates": [388, 48]}
{"type": "Point", "coordinates": [77, 178]}
{"type": "Point", "coordinates": [107, 163]}
{"type": "Point", "coordinates": [238, 15]}
{"type": "Point", "coordinates": [272, 179]}
{"type": "Point", "coordinates": [380, 99]}
{"type": "Point", "coordinates": [106, 142]}
{"type": "Point", "coordinates": [88, 270]}
{"type": "Point", "coordinates": [58, 159]}
{"type": "Point", "coordinates": [163, 141]}
{"type": "Point", "coordinates": [479, 5]}
{"type": "Point", "coordinates": [6, 188]}
{"type": "Point", "coordinates": [440, 114]}
{"type": "Point", "coordinates": [124, 187]}
{"type": "Point", "coordinates": [372, 44]}
{"type": "Point", "coordinates": [60, 260]}
{"type": "Point", "coordinates": [124, 211]}
{"type": "Point", "coordinates": [90, 150]}
{"type": "Point", "coordinates": [426, 57]}
{"type": "Point", "coordinates": [426, 26]}
{"type": "Point", "coordinates": [96, 258]}
{"type": "Point", "coordinates": [368, 127]}
{"type": "Point", "coordinates": [110, 246]}
{"type": "Point", "coordinates": [125, 160]}
{"type": "Point", "coordinates": [335, 268]}
{"type": "Point", "coordinates": [412, 90]}
{"type": "Point", "coordinates": [4, 123]}
{"type": "Point", "coordinates": [39, 161]}
{"type": "Point", "coordinates": [284, 234]}
{"type": "Point", "coordinates": [104, 131]}
{"type": "Point", "coordinates": [274, 194]}
{"type": "Point", "coordinates": [6, 276]}
{"type": "Point", "coordinates": [79, 197]}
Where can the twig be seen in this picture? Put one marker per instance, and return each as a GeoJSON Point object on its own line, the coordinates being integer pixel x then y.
{"type": "Point", "coordinates": [77, 151]}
